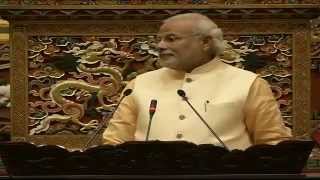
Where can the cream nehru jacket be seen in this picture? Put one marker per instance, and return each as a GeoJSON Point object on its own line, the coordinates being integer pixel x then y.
{"type": "Point", "coordinates": [218, 91]}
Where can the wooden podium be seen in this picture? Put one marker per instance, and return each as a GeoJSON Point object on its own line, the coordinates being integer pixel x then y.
{"type": "Point", "coordinates": [154, 158]}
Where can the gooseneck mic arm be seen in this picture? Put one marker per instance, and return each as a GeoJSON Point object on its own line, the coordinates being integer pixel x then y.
{"type": "Point", "coordinates": [182, 94]}
{"type": "Point", "coordinates": [126, 93]}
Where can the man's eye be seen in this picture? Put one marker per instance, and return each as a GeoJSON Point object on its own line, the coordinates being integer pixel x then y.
{"type": "Point", "coordinates": [172, 38]}
{"type": "Point", "coordinates": [167, 39]}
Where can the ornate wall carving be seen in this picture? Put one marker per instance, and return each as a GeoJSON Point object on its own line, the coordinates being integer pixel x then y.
{"type": "Point", "coordinates": [4, 89]}
{"type": "Point", "coordinates": [45, 42]}
{"type": "Point", "coordinates": [4, 80]}
{"type": "Point", "coordinates": [56, 64]}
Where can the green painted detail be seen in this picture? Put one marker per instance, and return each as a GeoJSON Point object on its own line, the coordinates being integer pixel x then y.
{"type": "Point", "coordinates": [4, 30]}
{"type": "Point", "coordinates": [4, 2]}
{"type": "Point", "coordinates": [313, 164]}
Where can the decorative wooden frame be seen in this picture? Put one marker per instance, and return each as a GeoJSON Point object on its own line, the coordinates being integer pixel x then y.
{"type": "Point", "coordinates": [147, 21]}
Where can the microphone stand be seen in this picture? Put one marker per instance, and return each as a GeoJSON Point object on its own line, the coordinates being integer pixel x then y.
{"type": "Point", "coordinates": [152, 110]}
{"type": "Point", "coordinates": [148, 130]}
{"type": "Point", "coordinates": [183, 95]}
{"type": "Point", "coordinates": [104, 119]}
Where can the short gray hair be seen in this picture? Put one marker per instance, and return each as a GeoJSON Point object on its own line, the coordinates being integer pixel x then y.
{"type": "Point", "coordinates": [204, 27]}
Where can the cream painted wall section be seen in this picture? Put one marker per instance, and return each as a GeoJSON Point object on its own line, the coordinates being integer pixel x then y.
{"type": "Point", "coordinates": [4, 39]}
{"type": "Point", "coordinates": [4, 30]}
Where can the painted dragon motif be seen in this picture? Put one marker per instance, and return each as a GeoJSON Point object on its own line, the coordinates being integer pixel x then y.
{"type": "Point", "coordinates": [108, 86]}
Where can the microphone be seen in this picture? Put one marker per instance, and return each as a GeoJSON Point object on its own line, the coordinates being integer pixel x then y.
{"type": "Point", "coordinates": [126, 93]}
{"type": "Point", "coordinates": [152, 110]}
{"type": "Point", "coordinates": [182, 94]}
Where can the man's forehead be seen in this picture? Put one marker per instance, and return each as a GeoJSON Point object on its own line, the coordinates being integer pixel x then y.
{"type": "Point", "coordinates": [176, 27]}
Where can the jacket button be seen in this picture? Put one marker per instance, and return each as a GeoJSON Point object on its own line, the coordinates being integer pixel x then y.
{"type": "Point", "coordinates": [179, 136]}
{"type": "Point", "coordinates": [188, 80]}
{"type": "Point", "coordinates": [182, 117]}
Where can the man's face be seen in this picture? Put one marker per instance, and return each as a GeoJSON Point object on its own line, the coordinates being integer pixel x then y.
{"type": "Point", "coordinates": [179, 47]}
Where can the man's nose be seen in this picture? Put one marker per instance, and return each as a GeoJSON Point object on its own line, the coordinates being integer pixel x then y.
{"type": "Point", "coordinates": [161, 45]}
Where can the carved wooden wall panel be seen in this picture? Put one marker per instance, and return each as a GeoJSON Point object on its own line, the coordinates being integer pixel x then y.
{"type": "Point", "coordinates": [251, 41]}
{"type": "Point", "coordinates": [105, 46]}
{"type": "Point", "coordinates": [4, 81]}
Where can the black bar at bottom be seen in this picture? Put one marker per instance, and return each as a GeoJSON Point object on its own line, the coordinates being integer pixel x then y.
{"type": "Point", "coordinates": [214, 177]}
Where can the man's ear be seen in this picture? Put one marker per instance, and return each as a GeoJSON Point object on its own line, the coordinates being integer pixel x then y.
{"type": "Point", "coordinates": [207, 41]}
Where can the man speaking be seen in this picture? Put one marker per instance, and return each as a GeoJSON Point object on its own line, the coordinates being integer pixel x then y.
{"type": "Point", "coordinates": [216, 103]}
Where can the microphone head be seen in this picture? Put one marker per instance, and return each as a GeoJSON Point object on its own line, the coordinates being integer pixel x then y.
{"type": "Point", "coordinates": [181, 93]}
{"type": "Point", "coordinates": [127, 92]}
{"type": "Point", "coordinates": [153, 103]}
{"type": "Point", "coordinates": [153, 106]}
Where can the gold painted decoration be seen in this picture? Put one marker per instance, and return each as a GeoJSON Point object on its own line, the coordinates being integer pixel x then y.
{"type": "Point", "coordinates": [75, 81]}
{"type": "Point", "coordinates": [4, 81]}
{"type": "Point", "coordinates": [67, 73]}
{"type": "Point", "coordinates": [80, 80]}
{"type": "Point", "coordinates": [270, 56]}
{"type": "Point", "coordinates": [4, 56]}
